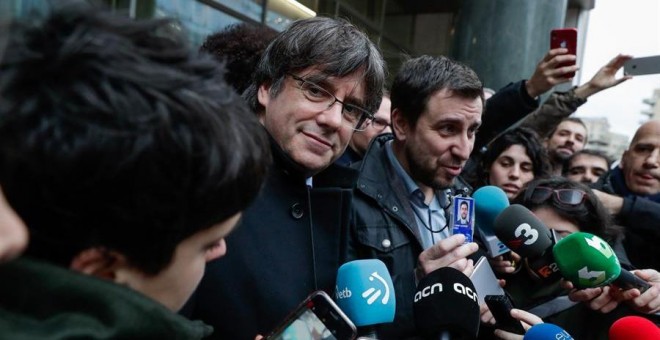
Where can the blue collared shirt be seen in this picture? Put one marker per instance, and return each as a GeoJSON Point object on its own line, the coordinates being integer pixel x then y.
{"type": "Point", "coordinates": [427, 216]}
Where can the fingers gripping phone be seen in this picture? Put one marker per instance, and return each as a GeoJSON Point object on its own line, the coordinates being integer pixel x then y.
{"type": "Point", "coordinates": [500, 306]}
{"type": "Point", "coordinates": [565, 38]}
{"type": "Point", "coordinates": [316, 318]}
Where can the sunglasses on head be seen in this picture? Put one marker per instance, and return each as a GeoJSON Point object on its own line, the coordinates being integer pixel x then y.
{"type": "Point", "coordinates": [570, 197]}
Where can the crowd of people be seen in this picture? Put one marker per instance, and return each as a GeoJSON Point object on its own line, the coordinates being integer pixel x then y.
{"type": "Point", "coordinates": [150, 184]}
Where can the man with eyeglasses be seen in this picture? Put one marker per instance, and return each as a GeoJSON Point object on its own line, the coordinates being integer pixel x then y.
{"type": "Point", "coordinates": [402, 203]}
{"type": "Point", "coordinates": [360, 140]}
{"type": "Point", "coordinates": [317, 83]}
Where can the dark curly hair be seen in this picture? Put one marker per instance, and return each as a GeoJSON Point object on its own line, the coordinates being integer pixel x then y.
{"type": "Point", "coordinates": [240, 47]}
{"type": "Point", "coordinates": [114, 133]}
{"type": "Point", "coordinates": [518, 136]}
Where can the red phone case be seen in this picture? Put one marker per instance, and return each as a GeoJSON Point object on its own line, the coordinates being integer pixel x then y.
{"type": "Point", "coordinates": [565, 38]}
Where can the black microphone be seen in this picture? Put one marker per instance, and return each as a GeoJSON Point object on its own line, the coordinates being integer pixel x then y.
{"type": "Point", "coordinates": [525, 234]}
{"type": "Point", "coordinates": [446, 304]}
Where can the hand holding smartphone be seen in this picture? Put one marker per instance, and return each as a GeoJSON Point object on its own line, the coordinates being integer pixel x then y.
{"type": "Point", "coordinates": [565, 38]}
{"type": "Point", "coordinates": [500, 306]}
{"type": "Point", "coordinates": [316, 318]}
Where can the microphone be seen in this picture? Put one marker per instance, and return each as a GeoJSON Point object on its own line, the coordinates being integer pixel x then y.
{"type": "Point", "coordinates": [489, 201]}
{"type": "Point", "coordinates": [547, 331]}
{"type": "Point", "coordinates": [634, 327]}
{"type": "Point", "coordinates": [588, 261]}
{"type": "Point", "coordinates": [525, 234]}
{"type": "Point", "coordinates": [446, 303]}
{"type": "Point", "coordinates": [365, 293]}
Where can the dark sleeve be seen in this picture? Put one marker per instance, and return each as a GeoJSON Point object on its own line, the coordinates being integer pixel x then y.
{"type": "Point", "coordinates": [509, 105]}
{"type": "Point", "coordinates": [641, 214]}
{"type": "Point", "coordinates": [558, 106]}
{"type": "Point", "coordinates": [640, 218]}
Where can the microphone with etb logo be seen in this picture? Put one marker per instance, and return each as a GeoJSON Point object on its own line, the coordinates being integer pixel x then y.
{"type": "Point", "coordinates": [365, 293]}
{"type": "Point", "coordinates": [445, 305]}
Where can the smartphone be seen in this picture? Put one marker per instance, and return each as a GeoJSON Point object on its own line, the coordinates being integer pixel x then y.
{"type": "Point", "coordinates": [640, 66]}
{"type": "Point", "coordinates": [501, 306]}
{"type": "Point", "coordinates": [316, 318]}
{"type": "Point", "coordinates": [484, 280]}
{"type": "Point", "coordinates": [565, 38]}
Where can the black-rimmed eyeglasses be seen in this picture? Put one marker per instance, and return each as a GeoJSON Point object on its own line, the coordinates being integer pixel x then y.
{"type": "Point", "coordinates": [353, 116]}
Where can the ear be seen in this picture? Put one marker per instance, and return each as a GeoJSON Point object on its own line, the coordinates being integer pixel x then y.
{"type": "Point", "coordinates": [263, 94]}
{"type": "Point", "coordinates": [400, 125]}
{"type": "Point", "coordinates": [98, 262]}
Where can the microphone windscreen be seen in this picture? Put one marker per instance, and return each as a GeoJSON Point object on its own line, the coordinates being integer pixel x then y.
{"type": "Point", "coordinates": [489, 201]}
{"type": "Point", "coordinates": [365, 292]}
{"type": "Point", "coordinates": [446, 300]}
{"type": "Point", "coordinates": [546, 331]}
{"type": "Point", "coordinates": [522, 231]}
{"type": "Point", "coordinates": [586, 260]}
{"type": "Point", "coordinates": [634, 327]}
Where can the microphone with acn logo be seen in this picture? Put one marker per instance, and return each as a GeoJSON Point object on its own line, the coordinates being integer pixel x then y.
{"type": "Point", "coordinates": [634, 327]}
{"type": "Point", "coordinates": [445, 305]}
{"type": "Point", "coordinates": [489, 202]}
{"type": "Point", "coordinates": [365, 293]}
{"type": "Point", "coordinates": [588, 261]}
{"type": "Point", "coordinates": [525, 234]}
{"type": "Point", "coordinates": [547, 331]}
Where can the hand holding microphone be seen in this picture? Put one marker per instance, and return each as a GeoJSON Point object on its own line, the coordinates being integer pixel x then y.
{"type": "Point", "coordinates": [645, 302]}
{"type": "Point", "coordinates": [526, 235]}
{"type": "Point", "coordinates": [588, 261]}
{"type": "Point", "coordinates": [365, 293]}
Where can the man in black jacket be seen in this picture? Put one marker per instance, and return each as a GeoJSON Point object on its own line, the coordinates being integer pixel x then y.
{"type": "Point", "coordinates": [631, 192]}
{"type": "Point", "coordinates": [316, 83]}
{"type": "Point", "coordinates": [401, 205]}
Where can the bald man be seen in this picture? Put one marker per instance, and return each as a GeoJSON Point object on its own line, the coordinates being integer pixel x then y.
{"type": "Point", "coordinates": [631, 192]}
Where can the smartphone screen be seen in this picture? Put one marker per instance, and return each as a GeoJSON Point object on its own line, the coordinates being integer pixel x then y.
{"type": "Point", "coordinates": [317, 318]}
{"type": "Point", "coordinates": [565, 38]}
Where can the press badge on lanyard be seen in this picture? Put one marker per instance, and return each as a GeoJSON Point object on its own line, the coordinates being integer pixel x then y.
{"type": "Point", "coordinates": [462, 221]}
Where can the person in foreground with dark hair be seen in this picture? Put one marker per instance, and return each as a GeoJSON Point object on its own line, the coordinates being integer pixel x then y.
{"type": "Point", "coordinates": [130, 160]}
{"type": "Point", "coordinates": [403, 196]}
{"type": "Point", "coordinates": [240, 47]}
{"type": "Point", "coordinates": [319, 81]}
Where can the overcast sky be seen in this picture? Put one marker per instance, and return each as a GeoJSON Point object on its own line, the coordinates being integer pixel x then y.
{"type": "Point", "coordinates": [621, 26]}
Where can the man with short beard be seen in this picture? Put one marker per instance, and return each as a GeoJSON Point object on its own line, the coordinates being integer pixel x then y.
{"type": "Point", "coordinates": [402, 201]}
{"type": "Point", "coordinates": [569, 137]}
{"type": "Point", "coordinates": [631, 192]}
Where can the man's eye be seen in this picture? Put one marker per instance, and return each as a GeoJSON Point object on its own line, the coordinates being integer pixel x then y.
{"type": "Point", "coordinates": [314, 91]}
